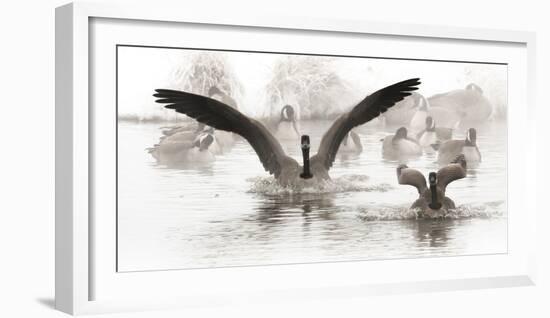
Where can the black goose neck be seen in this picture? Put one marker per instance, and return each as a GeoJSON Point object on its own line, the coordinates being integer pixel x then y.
{"type": "Point", "coordinates": [306, 173]}
{"type": "Point", "coordinates": [435, 204]}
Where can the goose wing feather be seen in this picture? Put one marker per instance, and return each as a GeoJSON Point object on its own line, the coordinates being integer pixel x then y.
{"type": "Point", "coordinates": [369, 108]}
{"type": "Point", "coordinates": [224, 117]}
{"type": "Point", "coordinates": [451, 172]}
{"type": "Point", "coordinates": [413, 177]}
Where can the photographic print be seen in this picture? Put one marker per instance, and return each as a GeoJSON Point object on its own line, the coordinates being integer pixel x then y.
{"type": "Point", "coordinates": [239, 158]}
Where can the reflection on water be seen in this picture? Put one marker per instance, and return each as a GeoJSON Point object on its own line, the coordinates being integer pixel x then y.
{"type": "Point", "coordinates": [231, 213]}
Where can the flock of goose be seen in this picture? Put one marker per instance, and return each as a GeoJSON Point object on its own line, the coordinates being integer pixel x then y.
{"type": "Point", "coordinates": [426, 126]}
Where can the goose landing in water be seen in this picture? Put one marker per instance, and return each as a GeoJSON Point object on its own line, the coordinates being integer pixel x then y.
{"type": "Point", "coordinates": [432, 202]}
{"type": "Point", "coordinates": [287, 171]}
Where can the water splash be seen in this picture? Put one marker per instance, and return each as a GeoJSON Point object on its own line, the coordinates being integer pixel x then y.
{"type": "Point", "coordinates": [345, 183]}
{"type": "Point", "coordinates": [388, 213]}
{"type": "Point", "coordinates": [391, 213]}
{"type": "Point", "coordinates": [486, 210]}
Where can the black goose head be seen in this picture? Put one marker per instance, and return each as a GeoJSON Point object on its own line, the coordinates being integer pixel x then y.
{"type": "Point", "coordinates": [471, 137]}
{"type": "Point", "coordinates": [287, 113]}
{"type": "Point", "coordinates": [430, 124]}
{"type": "Point", "coordinates": [305, 145]}
{"type": "Point", "coordinates": [401, 133]}
{"type": "Point", "coordinates": [204, 141]}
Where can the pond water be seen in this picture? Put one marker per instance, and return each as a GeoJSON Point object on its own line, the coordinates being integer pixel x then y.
{"type": "Point", "coordinates": [232, 213]}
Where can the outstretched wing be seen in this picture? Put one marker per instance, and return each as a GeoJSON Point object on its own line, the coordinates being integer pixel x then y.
{"type": "Point", "coordinates": [369, 108]}
{"type": "Point", "coordinates": [413, 177]}
{"type": "Point", "coordinates": [451, 172]}
{"type": "Point", "coordinates": [223, 117]}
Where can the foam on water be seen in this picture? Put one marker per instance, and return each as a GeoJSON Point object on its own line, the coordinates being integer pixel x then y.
{"type": "Point", "coordinates": [345, 183]}
{"type": "Point", "coordinates": [391, 213]}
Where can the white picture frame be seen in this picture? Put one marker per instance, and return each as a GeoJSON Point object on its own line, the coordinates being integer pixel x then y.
{"type": "Point", "coordinates": [76, 273]}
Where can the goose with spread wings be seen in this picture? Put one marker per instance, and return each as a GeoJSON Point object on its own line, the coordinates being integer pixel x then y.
{"type": "Point", "coordinates": [287, 171]}
{"type": "Point", "coordinates": [432, 201]}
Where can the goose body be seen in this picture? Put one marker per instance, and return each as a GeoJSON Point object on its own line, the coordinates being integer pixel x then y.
{"type": "Point", "coordinates": [432, 201]}
{"type": "Point", "coordinates": [469, 103]}
{"type": "Point", "coordinates": [400, 146]}
{"type": "Point", "coordinates": [184, 147]}
{"type": "Point", "coordinates": [468, 147]}
{"type": "Point", "coordinates": [286, 170]}
{"type": "Point", "coordinates": [471, 154]}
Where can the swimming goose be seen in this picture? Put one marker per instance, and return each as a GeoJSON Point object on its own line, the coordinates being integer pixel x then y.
{"type": "Point", "coordinates": [470, 103]}
{"type": "Point", "coordinates": [216, 147]}
{"type": "Point", "coordinates": [452, 148]}
{"type": "Point", "coordinates": [184, 147]}
{"type": "Point", "coordinates": [432, 201]}
{"type": "Point", "coordinates": [287, 171]}
{"type": "Point", "coordinates": [351, 144]}
{"type": "Point", "coordinates": [187, 134]}
{"type": "Point", "coordinates": [432, 134]}
{"type": "Point", "coordinates": [286, 128]}
{"type": "Point", "coordinates": [400, 146]}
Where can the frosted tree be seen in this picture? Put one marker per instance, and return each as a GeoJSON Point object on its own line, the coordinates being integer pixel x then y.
{"type": "Point", "coordinates": [197, 72]}
{"type": "Point", "coordinates": [310, 84]}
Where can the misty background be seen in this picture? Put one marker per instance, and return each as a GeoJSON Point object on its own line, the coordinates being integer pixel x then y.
{"type": "Point", "coordinates": [318, 87]}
